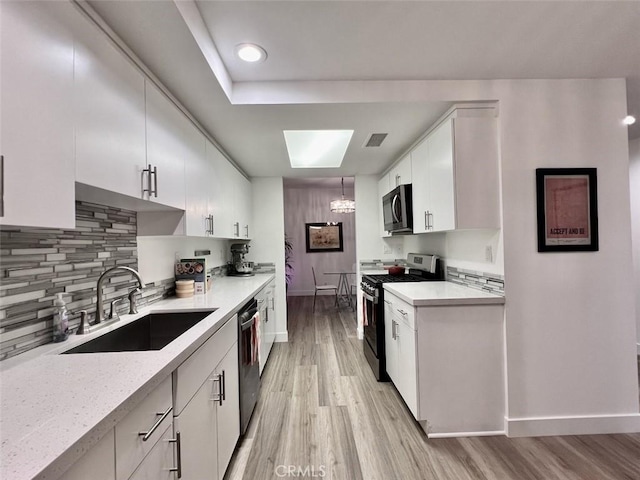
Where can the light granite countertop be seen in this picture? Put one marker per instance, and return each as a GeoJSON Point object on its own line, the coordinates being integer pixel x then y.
{"type": "Point", "coordinates": [425, 294]}
{"type": "Point", "coordinates": [54, 408]}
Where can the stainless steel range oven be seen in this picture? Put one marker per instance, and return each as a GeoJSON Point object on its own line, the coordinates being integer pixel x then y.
{"type": "Point", "coordinates": [422, 268]}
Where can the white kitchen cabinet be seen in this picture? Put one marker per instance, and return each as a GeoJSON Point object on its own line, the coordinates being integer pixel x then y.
{"type": "Point", "coordinates": [37, 177]}
{"type": "Point", "coordinates": [400, 173]}
{"type": "Point", "coordinates": [97, 464]}
{"type": "Point", "coordinates": [455, 174]}
{"type": "Point", "coordinates": [231, 201]}
{"type": "Point", "coordinates": [266, 306]}
{"type": "Point", "coordinates": [168, 132]}
{"type": "Point", "coordinates": [383, 189]}
{"type": "Point", "coordinates": [198, 432]}
{"type": "Point", "coordinates": [198, 177]}
{"type": "Point", "coordinates": [228, 409]}
{"type": "Point", "coordinates": [160, 463]}
{"type": "Point", "coordinates": [153, 414]}
{"type": "Point", "coordinates": [109, 115]}
{"type": "Point", "coordinates": [207, 405]}
{"type": "Point", "coordinates": [447, 364]}
{"type": "Point", "coordinates": [400, 350]}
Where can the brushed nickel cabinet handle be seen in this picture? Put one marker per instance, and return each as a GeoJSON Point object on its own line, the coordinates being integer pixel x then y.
{"type": "Point", "coordinates": [155, 182]}
{"type": "Point", "coordinates": [178, 467]}
{"type": "Point", "coordinates": [146, 435]}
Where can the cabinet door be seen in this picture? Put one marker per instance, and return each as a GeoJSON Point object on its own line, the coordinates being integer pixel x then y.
{"type": "Point", "coordinates": [37, 125]}
{"type": "Point", "coordinates": [97, 464]}
{"type": "Point", "coordinates": [420, 190]}
{"type": "Point", "coordinates": [263, 305]}
{"type": "Point", "coordinates": [383, 189]}
{"type": "Point", "coordinates": [407, 383]}
{"type": "Point", "coordinates": [271, 316]}
{"type": "Point", "coordinates": [244, 199]}
{"type": "Point", "coordinates": [198, 174]}
{"type": "Point", "coordinates": [228, 413]}
{"type": "Point", "coordinates": [401, 173]}
{"type": "Point", "coordinates": [198, 434]}
{"type": "Point", "coordinates": [167, 137]}
{"type": "Point", "coordinates": [440, 174]}
{"type": "Point", "coordinates": [222, 193]}
{"type": "Point", "coordinates": [158, 463]}
{"type": "Point", "coordinates": [390, 344]}
{"type": "Point", "coordinates": [109, 114]}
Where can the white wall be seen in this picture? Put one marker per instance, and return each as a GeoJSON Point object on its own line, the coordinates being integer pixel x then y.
{"type": "Point", "coordinates": [267, 226]}
{"type": "Point", "coordinates": [634, 182]}
{"type": "Point", "coordinates": [310, 205]}
{"type": "Point", "coordinates": [570, 319]}
{"type": "Point", "coordinates": [157, 255]}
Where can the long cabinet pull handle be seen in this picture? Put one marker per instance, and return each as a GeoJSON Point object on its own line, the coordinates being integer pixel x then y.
{"type": "Point", "coordinates": [178, 467]}
{"type": "Point", "coordinates": [155, 182]}
{"type": "Point", "coordinates": [2, 185]}
{"type": "Point", "coordinates": [236, 227]}
{"type": "Point", "coordinates": [211, 219]}
{"type": "Point", "coordinates": [146, 435]}
{"type": "Point", "coordinates": [223, 395]}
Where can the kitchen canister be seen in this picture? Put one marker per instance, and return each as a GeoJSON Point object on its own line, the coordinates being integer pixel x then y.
{"type": "Point", "coordinates": [184, 288]}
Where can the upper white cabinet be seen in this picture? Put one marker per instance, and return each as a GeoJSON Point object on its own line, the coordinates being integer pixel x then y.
{"type": "Point", "coordinates": [37, 124]}
{"type": "Point", "coordinates": [383, 189]}
{"type": "Point", "coordinates": [198, 175]}
{"type": "Point", "coordinates": [109, 115]}
{"type": "Point", "coordinates": [169, 134]}
{"type": "Point", "coordinates": [400, 173]}
{"type": "Point", "coordinates": [455, 174]}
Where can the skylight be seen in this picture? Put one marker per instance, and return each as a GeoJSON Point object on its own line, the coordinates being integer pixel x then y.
{"type": "Point", "coordinates": [317, 148]}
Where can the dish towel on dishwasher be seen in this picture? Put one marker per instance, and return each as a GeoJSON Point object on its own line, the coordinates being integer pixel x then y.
{"type": "Point", "coordinates": [365, 320]}
{"type": "Point", "coordinates": [255, 338]}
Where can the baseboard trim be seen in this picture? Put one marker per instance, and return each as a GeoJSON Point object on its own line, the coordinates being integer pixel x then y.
{"type": "Point", "coordinates": [466, 434]}
{"type": "Point", "coordinates": [578, 425]}
{"type": "Point", "coordinates": [282, 337]}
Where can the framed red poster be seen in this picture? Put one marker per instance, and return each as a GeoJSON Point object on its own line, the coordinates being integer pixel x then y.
{"type": "Point", "coordinates": [567, 209]}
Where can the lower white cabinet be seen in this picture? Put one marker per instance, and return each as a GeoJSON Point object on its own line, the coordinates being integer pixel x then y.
{"type": "Point", "coordinates": [97, 463]}
{"type": "Point", "coordinates": [207, 405]}
{"type": "Point", "coordinates": [267, 310]}
{"type": "Point", "coordinates": [159, 464]}
{"type": "Point", "coordinates": [400, 352]}
{"type": "Point", "coordinates": [152, 416]}
{"type": "Point", "coordinates": [209, 425]}
{"type": "Point", "coordinates": [447, 364]}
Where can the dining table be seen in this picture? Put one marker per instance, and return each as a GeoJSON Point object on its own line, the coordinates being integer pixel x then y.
{"type": "Point", "coordinates": [344, 288]}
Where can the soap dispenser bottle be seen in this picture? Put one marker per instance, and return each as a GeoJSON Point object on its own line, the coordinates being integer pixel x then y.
{"type": "Point", "coordinates": [60, 320]}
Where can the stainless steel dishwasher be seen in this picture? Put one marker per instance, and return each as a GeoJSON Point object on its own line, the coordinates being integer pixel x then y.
{"type": "Point", "coordinates": [248, 361]}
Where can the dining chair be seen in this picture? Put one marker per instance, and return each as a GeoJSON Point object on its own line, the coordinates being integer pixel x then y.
{"type": "Point", "coordinates": [321, 288]}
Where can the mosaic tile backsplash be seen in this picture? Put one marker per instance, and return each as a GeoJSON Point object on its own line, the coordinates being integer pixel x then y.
{"type": "Point", "coordinates": [37, 263]}
{"type": "Point", "coordinates": [488, 282]}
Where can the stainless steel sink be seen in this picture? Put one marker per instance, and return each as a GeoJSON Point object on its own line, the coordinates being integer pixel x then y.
{"type": "Point", "coordinates": [151, 332]}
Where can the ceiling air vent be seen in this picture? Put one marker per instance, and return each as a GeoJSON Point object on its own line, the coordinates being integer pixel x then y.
{"type": "Point", "coordinates": [375, 139]}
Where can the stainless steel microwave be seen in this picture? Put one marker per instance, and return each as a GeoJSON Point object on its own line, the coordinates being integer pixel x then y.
{"type": "Point", "coordinates": [397, 210]}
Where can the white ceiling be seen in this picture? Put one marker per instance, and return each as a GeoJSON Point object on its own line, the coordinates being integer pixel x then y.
{"type": "Point", "coordinates": [328, 41]}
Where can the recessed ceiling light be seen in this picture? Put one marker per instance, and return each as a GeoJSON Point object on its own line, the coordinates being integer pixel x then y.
{"type": "Point", "coordinates": [251, 53]}
{"type": "Point", "coordinates": [629, 120]}
{"type": "Point", "coordinates": [317, 148]}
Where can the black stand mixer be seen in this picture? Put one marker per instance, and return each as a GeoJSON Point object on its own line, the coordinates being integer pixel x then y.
{"type": "Point", "coordinates": [238, 267]}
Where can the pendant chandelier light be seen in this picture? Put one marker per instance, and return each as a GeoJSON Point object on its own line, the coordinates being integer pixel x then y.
{"type": "Point", "coordinates": [343, 205]}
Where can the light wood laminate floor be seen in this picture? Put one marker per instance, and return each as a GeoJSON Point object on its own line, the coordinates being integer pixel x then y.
{"type": "Point", "coordinates": [321, 414]}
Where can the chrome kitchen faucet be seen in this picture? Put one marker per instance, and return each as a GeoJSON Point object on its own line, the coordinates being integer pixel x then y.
{"type": "Point", "coordinates": [100, 306]}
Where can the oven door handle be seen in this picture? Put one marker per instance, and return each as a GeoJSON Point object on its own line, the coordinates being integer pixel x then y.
{"type": "Point", "coordinates": [368, 297]}
{"type": "Point", "coordinates": [246, 325]}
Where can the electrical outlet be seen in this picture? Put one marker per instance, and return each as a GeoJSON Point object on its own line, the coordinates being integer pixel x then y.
{"type": "Point", "coordinates": [387, 249]}
{"type": "Point", "coordinates": [488, 253]}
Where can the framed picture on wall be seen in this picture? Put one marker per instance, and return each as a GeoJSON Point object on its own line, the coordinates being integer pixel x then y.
{"type": "Point", "coordinates": [324, 237]}
{"type": "Point", "coordinates": [567, 209]}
